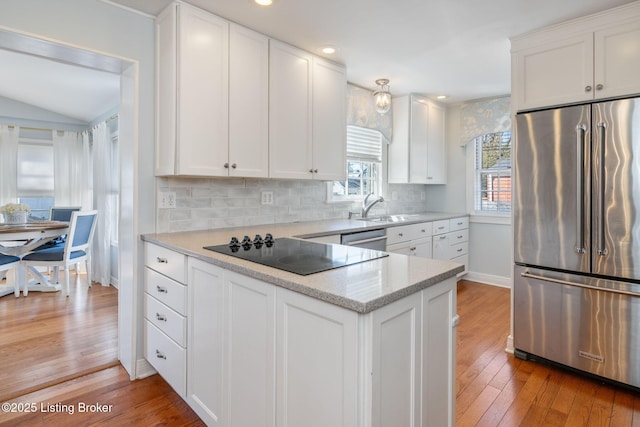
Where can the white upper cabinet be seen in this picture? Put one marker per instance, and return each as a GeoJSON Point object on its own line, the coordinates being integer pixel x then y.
{"type": "Point", "coordinates": [212, 83]}
{"type": "Point", "coordinates": [307, 115]}
{"type": "Point", "coordinates": [193, 72]}
{"type": "Point", "coordinates": [417, 152]}
{"type": "Point", "coordinates": [329, 121]}
{"type": "Point", "coordinates": [248, 103]}
{"type": "Point", "coordinates": [290, 131]}
{"type": "Point", "coordinates": [591, 58]}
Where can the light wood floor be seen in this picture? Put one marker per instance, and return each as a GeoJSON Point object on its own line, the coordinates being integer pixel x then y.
{"type": "Point", "coordinates": [493, 387]}
{"type": "Point", "coordinates": [47, 338]}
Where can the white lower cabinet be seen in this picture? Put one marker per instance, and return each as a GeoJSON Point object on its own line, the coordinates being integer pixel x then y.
{"type": "Point", "coordinates": [317, 362]}
{"type": "Point", "coordinates": [231, 347]}
{"type": "Point", "coordinates": [262, 355]}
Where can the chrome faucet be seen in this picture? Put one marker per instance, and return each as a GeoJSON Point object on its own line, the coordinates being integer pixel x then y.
{"type": "Point", "coordinates": [366, 207]}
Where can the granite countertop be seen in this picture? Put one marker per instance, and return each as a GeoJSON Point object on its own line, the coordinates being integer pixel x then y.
{"type": "Point", "coordinates": [362, 287]}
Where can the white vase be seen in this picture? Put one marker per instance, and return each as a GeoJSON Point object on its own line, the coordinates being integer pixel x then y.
{"type": "Point", "coordinates": [14, 218]}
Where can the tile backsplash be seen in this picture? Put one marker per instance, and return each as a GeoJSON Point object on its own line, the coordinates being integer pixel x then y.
{"type": "Point", "coordinates": [204, 203]}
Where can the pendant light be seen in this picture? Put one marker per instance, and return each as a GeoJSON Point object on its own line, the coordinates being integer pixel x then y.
{"type": "Point", "coordinates": [382, 96]}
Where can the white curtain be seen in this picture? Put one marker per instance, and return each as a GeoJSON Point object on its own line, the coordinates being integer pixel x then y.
{"type": "Point", "coordinates": [102, 170]}
{"type": "Point", "coordinates": [8, 163]}
{"type": "Point", "coordinates": [70, 168]}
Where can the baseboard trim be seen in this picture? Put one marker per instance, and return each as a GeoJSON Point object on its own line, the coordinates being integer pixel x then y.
{"type": "Point", "coordinates": [488, 279]}
{"type": "Point", "coordinates": [144, 369]}
{"type": "Point", "coordinates": [510, 349]}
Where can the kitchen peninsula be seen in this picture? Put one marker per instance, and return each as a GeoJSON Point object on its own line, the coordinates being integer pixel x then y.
{"type": "Point", "coordinates": [368, 344]}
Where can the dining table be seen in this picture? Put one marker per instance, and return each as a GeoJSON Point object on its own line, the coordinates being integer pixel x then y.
{"type": "Point", "coordinates": [20, 239]}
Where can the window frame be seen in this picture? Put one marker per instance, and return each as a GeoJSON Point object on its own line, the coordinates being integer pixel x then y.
{"type": "Point", "coordinates": [377, 186]}
{"type": "Point", "coordinates": [473, 187]}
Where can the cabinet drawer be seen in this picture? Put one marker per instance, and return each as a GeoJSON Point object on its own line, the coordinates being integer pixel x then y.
{"type": "Point", "coordinates": [459, 236]}
{"type": "Point", "coordinates": [403, 233]}
{"type": "Point", "coordinates": [167, 357]}
{"type": "Point", "coordinates": [399, 234]}
{"type": "Point", "coordinates": [165, 290]}
{"type": "Point", "coordinates": [440, 227]}
{"type": "Point", "coordinates": [458, 223]}
{"type": "Point", "coordinates": [458, 250]}
{"type": "Point", "coordinates": [166, 261]}
{"type": "Point", "coordinates": [441, 247]}
{"type": "Point", "coordinates": [168, 321]}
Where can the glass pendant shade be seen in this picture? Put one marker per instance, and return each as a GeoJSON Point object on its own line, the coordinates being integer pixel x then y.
{"type": "Point", "coordinates": [382, 97]}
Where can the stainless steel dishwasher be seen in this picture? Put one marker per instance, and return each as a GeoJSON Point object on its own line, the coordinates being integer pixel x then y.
{"type": "Point", "coordinates": [370, 239]}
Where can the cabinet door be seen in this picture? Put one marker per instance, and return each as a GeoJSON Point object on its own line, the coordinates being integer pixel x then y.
{"type": "Point", "coordinates": [398, 150]}
{"type": "Point", "coordinates": [617, 60]}
{"type": "Point", "coordinates": [248, 103]}
{"type": "Point", "coordinates": [441, 246]}
{"type": "Point", "coordinates": [557, 73]}
{"type": "Point", "coordinates": [203, 87]}
{"type": "Point", "coordinates": [317, 362]}
{"type": "Point", "coordinates": [423, 247]}
{"type": "Point", "coordinates": [329, 121]}
{"type": "Point", "coordinates": [206, 363]}
{"type": "Point", "coordinates": [438, 367]}
{"type": "Point", "coordinates": [396, 359]}
{"type": "Point", "coordinates": [166, 64]}
{"type": "Point", "coordinates": [290, 77]}
{"type": "Point", "coordinates": [418, 141]}
{"type": "Point", "coordinates": [251, 351]}
{"type": "Point", "coordinates": [436, 153]}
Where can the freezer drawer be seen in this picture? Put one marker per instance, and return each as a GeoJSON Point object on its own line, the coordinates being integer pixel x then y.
{"type": "Point", "coordinates": [586, 323]}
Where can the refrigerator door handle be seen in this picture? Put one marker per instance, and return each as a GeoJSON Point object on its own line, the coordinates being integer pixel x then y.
{"type": "Point", "coordinates": [580, 139]}
{"type": "Point", "coordinates": [579, 285]}
{"type": "Point", "coordinates": [602, 130]}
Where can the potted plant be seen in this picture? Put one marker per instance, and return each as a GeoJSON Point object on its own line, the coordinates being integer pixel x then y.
{"type": "Point", "coordinates": [15, 213]}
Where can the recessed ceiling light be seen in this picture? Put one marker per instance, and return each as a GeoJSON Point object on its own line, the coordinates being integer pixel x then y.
{"type": "Point", "coordinates": [329, 50]}
{"type": "Point", "coordinates": [263, 2]}
{"type": "Point", "coordinates": [441, 97]}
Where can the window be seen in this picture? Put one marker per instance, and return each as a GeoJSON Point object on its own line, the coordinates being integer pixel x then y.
{"type": "Point", "coordinates": [364, 165]}
{"type": "Point", "coordinates": [35, 176]}
{"type": "Point", "coordinates": [492, 187]}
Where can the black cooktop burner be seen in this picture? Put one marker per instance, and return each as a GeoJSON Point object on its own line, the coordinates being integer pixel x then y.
{"type": "Point", "coordinates": [296, 256]}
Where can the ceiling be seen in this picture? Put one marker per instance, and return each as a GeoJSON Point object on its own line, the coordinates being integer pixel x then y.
{"type": "Point", "coordinates": [458, 48]}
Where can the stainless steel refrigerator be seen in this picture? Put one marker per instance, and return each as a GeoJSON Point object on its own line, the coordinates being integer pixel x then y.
{"type": "Point", "coordinates": [577, 237]}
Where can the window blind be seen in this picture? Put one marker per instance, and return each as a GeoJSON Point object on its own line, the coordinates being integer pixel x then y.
{"type": "Point", "coordinates": [364, 144]}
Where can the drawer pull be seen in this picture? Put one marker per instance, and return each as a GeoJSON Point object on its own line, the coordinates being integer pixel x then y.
{"type": "Point", "coordinates": [161, 317]}
{"type": "Point", "coordinates": [162, 290]}
{"type": "Point", "coordinates": [162, 260]}
{"type": "Point", "coordinates": [441, 227]}
{"type": "Point", "coordinates": [459, 250]}
{"type": "Point", "coordinates": [443, 237]}
{"type": "Point", "coordinates": [159, 355]}
{"type": "Point", "coordinates": [460, 237]}
{"type": "Point", "coordinates": [423, 230]}
{"type": "Point", "coordinates": [400, 234]}
{"type": "Point", "coordinates": [460, 223]}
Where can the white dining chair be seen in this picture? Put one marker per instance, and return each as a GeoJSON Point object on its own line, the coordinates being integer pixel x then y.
{"type": "Point", "coordinates": [76, 249]}
{"type": "Point", "coordinates": [7, 262]}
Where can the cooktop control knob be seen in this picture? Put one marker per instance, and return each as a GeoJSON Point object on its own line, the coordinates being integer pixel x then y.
{"type": "Point", "coordinates": [258, 239]}
{"type": "Point", "coordinates": [234, 243]}
{"type": "Point", "coordinates": [268, 240]}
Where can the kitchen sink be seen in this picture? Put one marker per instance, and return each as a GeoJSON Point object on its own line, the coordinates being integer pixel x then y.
{"type": "Point", "coordinates": [390, 218]}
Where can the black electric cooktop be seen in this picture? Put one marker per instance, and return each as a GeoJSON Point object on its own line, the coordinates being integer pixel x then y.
{"type": "Point", "coordinates": [296, 256]}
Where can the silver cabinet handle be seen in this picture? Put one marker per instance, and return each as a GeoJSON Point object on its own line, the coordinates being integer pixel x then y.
{"type": "Point", "coordinates": [459, 250]}
{"type": "Point", "coordinates": [233, 165]}
{"type": "Point", "coordinates": [159, 355]}
{"type": "Point", "coordinates": [599, 86]}
{"type": "Point", "coordinates": [602, 128]}
{"type": "Point", "coordinates": [460, 236]}
{"type": "Point", "coordinates": [460, 223]}
{"type": "Point", "coordinates": [162, 260]}
{"type": "Point", "coordinates": [423, 231]}
{"type": "Point", "coordinates": [161, 317]}
{"type": "Point", "coordinates": [162, 290]}
{"type": "Point", "coordinates": [580, 135]}
{"type": "Point", "coordinates": [588, 89]}
{"type": "Point", "coordinates": [226, 165]}
{"type": "Point", "coordinates": [400, 234]}
{"type": "Point", "coordinates": [443, 237]}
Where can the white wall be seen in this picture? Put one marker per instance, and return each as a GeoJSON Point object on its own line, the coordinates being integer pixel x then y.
{"type": "Point", "coordinates": [489, 243]}
{"type": "Point", "coordinates": [98, 26]}
{"type": "Point", "coordinates": [18, 113]}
